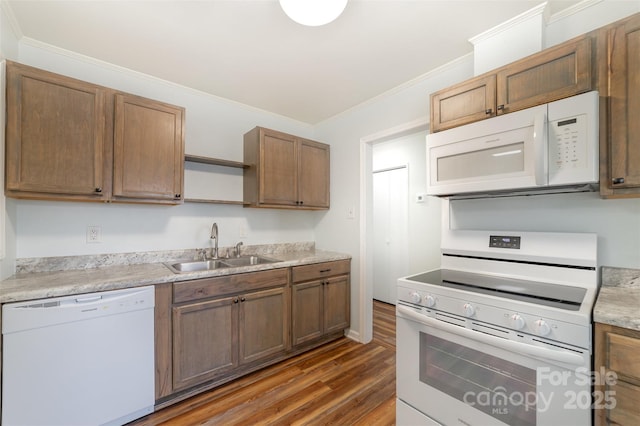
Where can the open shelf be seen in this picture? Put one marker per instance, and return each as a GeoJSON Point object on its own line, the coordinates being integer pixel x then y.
{"type": "Point", "coordinates": [214, 161]}
{"type": "Point", "coordinates": [198, 200]}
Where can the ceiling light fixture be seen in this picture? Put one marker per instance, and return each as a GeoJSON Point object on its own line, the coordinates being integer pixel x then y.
{"type": "Point", "coordinates": [313, 13]}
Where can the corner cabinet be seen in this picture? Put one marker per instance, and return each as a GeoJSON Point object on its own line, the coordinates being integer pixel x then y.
{"type": "Point", "coordinates": [67, 139]}
{"type": "Point", "coordinates": [552, 74]}
{"type": "Point", "coordinates": [617, 367]}
{"type": "Point", "coordinates": [285, 171]}
{"type": "Point", "coordinates": [320, 298]}
{"type": "Point", "coordinates": [620, 145]}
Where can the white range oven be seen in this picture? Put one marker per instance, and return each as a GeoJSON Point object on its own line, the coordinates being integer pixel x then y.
{"type": "Point", "coordinates": [501, 334]}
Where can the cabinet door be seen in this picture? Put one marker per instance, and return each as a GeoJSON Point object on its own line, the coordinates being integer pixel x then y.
{"type": "Point", "coordinates": [552, 74]}
{"type": "Point", "coordinates": [148, 150]}
{"type": "Point", "coordinates": [307, 311]}
{"type": "Point", "coordinates": [313, 172]}
{"type": "Point", "coordinates": [204, 341]}
{"type": "Point", "coordinates": [336, 304]}
{"type": "Point", "coordinates": [55, 136]}
{"type": "Point", "coordinates": [278, 169]}
{"type": "Point", "coordinates": [624, 98]}
{"type": "Point", "coordinates": [464, 103]}
{"type": "Point", "coordinates": [263, 326]}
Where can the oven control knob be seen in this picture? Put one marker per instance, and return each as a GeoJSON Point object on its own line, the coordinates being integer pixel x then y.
{"type": "Point", "coordinates": [542, 328]}
{"type": "Point", "coordinates": [517, 322]}
{"type": "Point", "coordinates": [429, 300]}
{"type": "Point", "coordinates": [415, 297]}
{"type": "Point", "coordinates": [468, 309]}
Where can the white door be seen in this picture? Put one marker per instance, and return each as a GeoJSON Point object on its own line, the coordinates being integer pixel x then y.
{"type": "Point", "coordinates": [390, 231]}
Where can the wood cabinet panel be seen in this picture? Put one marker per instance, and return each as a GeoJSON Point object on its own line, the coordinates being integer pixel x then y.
{"type": "Point", "coordinates": [618, 382]}
{"type": "Point", "coordinates": [285, 171]}
{"type": "Point", "coordinates": [71, 140]}
{"type": "Point", "coordinates": [186, 291]}
{"type": "Point", "coordinates": [55, 136]}
{"type": "Point", "coordinates": [313, 172]}
{"type": "Point", "coordinates": [204, 341]}
{"type": "Point", "coordinates": [264, 324]}
{"type": "Point", "coordinates": [278, 171]}
{"type": "Point", "coordinates": [320, 300]}
{"type": "Point", "coordinates": [163, 340]}
{"type": "Point", "coordinates": [470, 101]}
{"type": "Point", "coordinates": [148, 149]}
{"type": "Point", "coordinates": [552, 74]}
{"type": "Point", "coordinates": [307, 314]}
{"type": "Point", "coordinates": [624, 103]}
{"type": "Point", "coordinates": [318, 270]}
{"type": "Point", "coordinates": [336, 304]}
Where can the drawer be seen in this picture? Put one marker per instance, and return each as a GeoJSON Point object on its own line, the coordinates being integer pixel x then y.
{"type": "Point", "coordinates": [623, 355]}
{"type": "Point", "coordinates": [320, 270]}
{"type": "Point", "coordinates": [229, 284]}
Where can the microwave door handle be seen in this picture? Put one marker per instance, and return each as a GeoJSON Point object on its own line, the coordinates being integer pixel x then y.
{"type": "Point", "coordinates": [509, 345]}
{"type": "Point", "coordinates": [540, 149]}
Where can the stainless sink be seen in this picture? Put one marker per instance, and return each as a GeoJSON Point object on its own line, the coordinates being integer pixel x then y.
{"type": "Point", "coordinates": [201, 265]}
{"type": "Point", "coordinates": [248, 260]}
{"type": "Point", "coordinates": [210, 265]}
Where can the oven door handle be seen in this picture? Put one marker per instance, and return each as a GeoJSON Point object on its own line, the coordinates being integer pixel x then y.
{"type": "Point", "coordinates": [509, 345]}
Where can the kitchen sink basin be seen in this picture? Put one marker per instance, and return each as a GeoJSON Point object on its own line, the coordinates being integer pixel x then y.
{"type": "Point", "coordinates": [202, 265]}
{"type": "Point", "coordinates": [248, 260]}
{"type": "Point", "coordinates": [210, 265]}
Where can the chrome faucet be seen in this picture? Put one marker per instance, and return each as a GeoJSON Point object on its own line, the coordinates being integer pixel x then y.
{"type": "Point", "coordinates": [214, 236]}
{"type": "Point", "coordinates": [238, 249]}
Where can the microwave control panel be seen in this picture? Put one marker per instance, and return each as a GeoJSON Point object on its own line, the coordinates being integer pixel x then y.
{"type": "Point", "coordinates": [572, 135]}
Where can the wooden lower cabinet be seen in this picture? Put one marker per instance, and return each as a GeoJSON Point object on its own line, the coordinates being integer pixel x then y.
{"type": "Point", "coordinates": [617, 364]}
{"type": "Point", "coordinates": [320, 300]}
{"type": "Point", "coordinates": [205, 340]}
{"type": "Point", "coordinates": [210, 331]}
{"type": "Point", "coordinates": [222, 324]}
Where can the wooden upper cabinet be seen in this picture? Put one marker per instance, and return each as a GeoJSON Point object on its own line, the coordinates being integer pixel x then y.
{"type": "Point", "coordinates": [285, 171]}
{"type": "Point", "coordinates": [552, 74]}
{"type": "Point", "coordinates": [464, 103]}
{"type": "Point", "coordinates": [67, 139]}
{"type": "Point", "coordinates": [148, 156]}
{"type": "Point", "coordinates": [55, 136]}
{"type": "Point", "coordinates": [313, 174]}
{"type": "Point", "coordinates": [623, 138]}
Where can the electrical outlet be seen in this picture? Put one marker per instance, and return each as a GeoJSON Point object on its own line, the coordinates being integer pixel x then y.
{"type": "Point", "coordinates": [94, 234]}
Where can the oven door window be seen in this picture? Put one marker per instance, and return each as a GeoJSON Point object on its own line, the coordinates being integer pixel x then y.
{"type": "Point", "coordinates": [497, 387]}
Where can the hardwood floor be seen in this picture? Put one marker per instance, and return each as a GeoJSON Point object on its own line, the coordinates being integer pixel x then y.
{"type": "Point", "coordinates": [340, 383]}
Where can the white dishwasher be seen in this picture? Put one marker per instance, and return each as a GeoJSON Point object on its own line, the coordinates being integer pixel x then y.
{"type": "Point", "coordinates": [79, 360]}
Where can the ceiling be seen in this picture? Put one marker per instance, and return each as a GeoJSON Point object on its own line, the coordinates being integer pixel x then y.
{"type": "Point", "coordinates": [250, 52]}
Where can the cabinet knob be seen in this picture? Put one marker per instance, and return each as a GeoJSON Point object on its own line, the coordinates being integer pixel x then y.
{"type": "Point", "coordinates": [500, 107]}
{"type": "Point", "coordinates": [242, 299]}
{"type": "Point", "coordinates": [98, 190]}
{"type": "Point", "coordinates": [235, 300]}
{"type": "Point", "coordinates": [618, 181]}
{"type": "Point", "coordinates": [178, 195]}
{"type": "Point", "coordinates": [488, 111]}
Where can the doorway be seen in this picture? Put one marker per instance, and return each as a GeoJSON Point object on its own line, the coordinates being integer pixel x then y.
{"type": "Point", "coordinates": [390, 231]}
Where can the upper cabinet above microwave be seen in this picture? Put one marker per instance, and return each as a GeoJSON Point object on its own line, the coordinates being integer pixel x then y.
{"type": "Point", "coordinates": [552, 74]}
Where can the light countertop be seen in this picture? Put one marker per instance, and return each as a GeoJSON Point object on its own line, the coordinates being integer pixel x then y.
{"type": "Point", "coordinates": [39, 285]}
{"type": "Point", "coordinates": [618, 302]}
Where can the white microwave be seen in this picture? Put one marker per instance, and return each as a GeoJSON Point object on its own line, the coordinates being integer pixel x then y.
{"type": "Point", "coordinates": [547, 148]}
